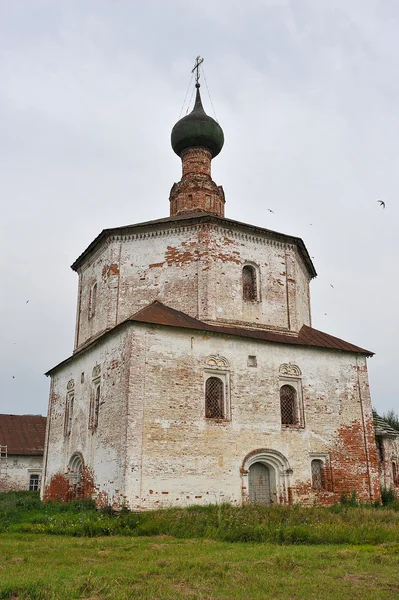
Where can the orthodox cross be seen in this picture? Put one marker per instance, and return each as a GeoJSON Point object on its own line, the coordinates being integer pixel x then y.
{"type": "Point", "coordinates": [198, 62]}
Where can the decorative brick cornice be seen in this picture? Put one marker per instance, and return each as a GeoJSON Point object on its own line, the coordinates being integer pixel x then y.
{"type": "Point", "coordinates": [196, 222]}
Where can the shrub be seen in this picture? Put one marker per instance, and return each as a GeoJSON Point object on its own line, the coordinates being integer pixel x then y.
{"type": "Point", "coordinates": [349, 500]}
{"type": "Point", "coordinates": [388, 496]}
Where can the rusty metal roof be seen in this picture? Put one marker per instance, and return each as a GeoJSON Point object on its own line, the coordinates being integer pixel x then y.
{"type": "Point", "coordinates": [192, 219]}
{"type": "Point", "coordinates": [23, 434]}
{"type": "Point", "coordinates": [160, 314]}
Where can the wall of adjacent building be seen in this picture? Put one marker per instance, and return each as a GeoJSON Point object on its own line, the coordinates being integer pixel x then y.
{"type": "Point", "coordinates": [19, 469]}
{"type": "Point", "coordinates": [196, 269]}
{"type": "Point", "coordinates": [390, 446]}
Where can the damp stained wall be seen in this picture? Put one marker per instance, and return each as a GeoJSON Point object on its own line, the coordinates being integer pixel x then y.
{"type": "Point", "coordinates": [19, 469]}
{"type": "Point", "coordinates": [155, 448]}
{"type": "Point", "coordinates": [196, 269]}
{"type": "Point", "coordinates": [102, 448]}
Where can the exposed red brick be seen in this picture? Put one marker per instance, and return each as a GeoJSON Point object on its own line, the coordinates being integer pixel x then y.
{"type": "Point", "coordinates": [109, 270]}
{"type": "Point", "coordinates": [196, 191]}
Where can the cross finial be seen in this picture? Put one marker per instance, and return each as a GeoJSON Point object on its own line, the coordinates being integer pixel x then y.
{"type": "Point", "coordinates": [198, 62]}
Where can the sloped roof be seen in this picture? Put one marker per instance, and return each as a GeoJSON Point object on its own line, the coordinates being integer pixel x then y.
{"type": "Point", "coordinates": [192, 219]}
{"type": "Point", "coordinates": [23, 434]}
{"type": "Point", "coordinates": [383, 429]}
{"type": "Point", "coordinates": [160, 314]}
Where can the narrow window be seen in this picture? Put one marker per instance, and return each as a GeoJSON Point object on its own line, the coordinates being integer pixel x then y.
{"type": "Point", "coordinates": [380, 448]}
{"type": "Point", "coordinates": [317, 474]}
{"type": "Point", "coordinates": [96, 405]}
{"type": "Point", "coordinates": [249, 288]}
{"type": "Point", "coordinates": [93, 301]}
{"type": "Point", "coordinates": [34, 483]}
{"type": "Point", "coordinates": [69, 412]}
{"type": "Point", "coordinates": [394, 474]}
{"type": "Point", "coordinates": [214, 398]}
{"type": "Point", "coordinates": [288, 405]}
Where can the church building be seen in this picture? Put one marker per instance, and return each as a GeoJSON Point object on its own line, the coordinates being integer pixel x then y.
{"type": "Point", "coordinates": [196, 375]}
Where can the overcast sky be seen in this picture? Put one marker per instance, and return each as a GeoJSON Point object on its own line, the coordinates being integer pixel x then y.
{"type": "Point", "coordinates": [307, 92]}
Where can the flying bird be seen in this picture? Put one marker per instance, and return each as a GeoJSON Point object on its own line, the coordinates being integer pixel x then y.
{"type": "Point", "coordinates": [270, 210]}
{"type": "Point", "coordinates": [381, 203]}
{"type": "Point", "coordinates": [331, 285]}
{"type": "Point", "coordinates": [27, 301]}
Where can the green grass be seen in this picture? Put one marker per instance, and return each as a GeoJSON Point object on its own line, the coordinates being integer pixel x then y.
{"type": "Point", "coordinates": [119, 568]}
{"type": "Point", "coordinates": [278, 552]}
{"type": "Point", "coordinates": [24, 513]}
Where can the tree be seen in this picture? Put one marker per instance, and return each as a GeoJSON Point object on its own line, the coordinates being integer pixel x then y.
{"type": "Point", "coordinates": [392, 419]}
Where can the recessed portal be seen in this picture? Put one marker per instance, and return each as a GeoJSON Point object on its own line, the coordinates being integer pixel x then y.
{"type": "Point", "coordinates": [259, 484]}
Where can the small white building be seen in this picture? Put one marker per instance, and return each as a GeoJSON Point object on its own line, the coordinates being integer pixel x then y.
{"type": "Point", "coordinates": [197, 374]}
{"type": "Point", "coordinates": [21, 452]}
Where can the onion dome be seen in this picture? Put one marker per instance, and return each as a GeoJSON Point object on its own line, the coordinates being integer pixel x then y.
{"type": "Point", "coordinates": [197, 129]}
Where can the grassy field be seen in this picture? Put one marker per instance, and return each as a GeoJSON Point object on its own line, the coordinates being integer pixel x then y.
{"type": "Point", "coordinates": [63, 551]}
{"type": "Point", "coordinates": [119, 568]}
{"type": "Point", "coordinates": [24, 513]}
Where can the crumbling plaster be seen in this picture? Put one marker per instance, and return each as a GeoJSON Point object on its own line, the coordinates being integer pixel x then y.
{"type": "Point", "coordinates": [155, 448]}
{"type": "Point", "coordinates": [104, 448]}
{"type": "Point", "coordinates": [19, 469]}
{"type": "Point", "coordinates": [196, 269]}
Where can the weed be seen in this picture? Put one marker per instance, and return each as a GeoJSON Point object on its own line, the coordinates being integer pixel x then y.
{"type": "Point", "coordinates": [388, 496]}
{"type": "Point", "coordinates": [343, 523]}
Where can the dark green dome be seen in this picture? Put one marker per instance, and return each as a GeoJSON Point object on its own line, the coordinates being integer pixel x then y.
{"type": "Point", "coordinates": [197, 129]}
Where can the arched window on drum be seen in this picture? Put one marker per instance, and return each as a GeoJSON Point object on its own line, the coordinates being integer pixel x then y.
{"type": "Point", "coordinates": [250, 283]}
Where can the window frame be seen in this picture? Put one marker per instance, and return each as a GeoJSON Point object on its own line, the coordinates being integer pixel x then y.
{"type": "Point", "coordinates": [95, 399]}
{"type": "Point", "coordinates": [294, 400]}
{"type": "Point", "coordinates": [321, 474]}
{"type": "Point", "coordinates": [221, 400]}
{"type": "Point", "coordinates": [256, 284]}
{"type": "Point", "coordinates": [93, 300]}
{"type": "Point", "coordinates": [33, 488]}
{"type": "Point", "coordinates": [324, 458]}
{"type": "Point", "coordinates": [290, 374]}
{"type": "Point", "coordinates": [69, 406]}
{"type": "Point", "coordinates": [224, 376]}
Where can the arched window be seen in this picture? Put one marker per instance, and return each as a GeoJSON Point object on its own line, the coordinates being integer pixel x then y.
{"type": "Point", "coordinates": [317, 474]}
{"type": "Point", "coordinates": [249, 285]}
{"type": "Point", "coordinates": [93, 301]}
{"type": "Point", "coordinates": [214, 398]}
{"type": "Point", "coordinates": [288, 405]}
{"type": "Point", "coordinates": [394, 474]}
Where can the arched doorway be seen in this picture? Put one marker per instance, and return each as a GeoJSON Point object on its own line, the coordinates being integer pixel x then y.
{"type": "Point", "coordinates": [265, 477]}
{"type": "Point", "coordinates": [259, 484]}
{"type": "Point", "coordinates": [75, 471]}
